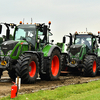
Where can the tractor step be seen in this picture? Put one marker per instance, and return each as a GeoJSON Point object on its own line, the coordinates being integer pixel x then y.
{"type": "Point", "coordinates": [65, 72]}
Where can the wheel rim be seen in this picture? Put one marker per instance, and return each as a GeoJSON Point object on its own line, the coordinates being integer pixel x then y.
{"type": "Point", "coordinates": [94, 66]}
{"type": "Point", "coordinates": [32, 69]}
{"type": "Point", "coordinates": [55, 65]}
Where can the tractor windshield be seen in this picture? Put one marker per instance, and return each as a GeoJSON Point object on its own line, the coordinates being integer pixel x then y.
{"type": "Point", "coordinates": [83, 39]}
{"type": "Point", "coordinates": [26, 32]}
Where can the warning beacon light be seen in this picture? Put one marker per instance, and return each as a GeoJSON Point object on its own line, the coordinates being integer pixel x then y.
{"type": "Point", "coordinates": [20, 22]}
{"type": "Point", "coordinates": [49, 23]}
{"type": "Point", "coordinates": [98, 32]}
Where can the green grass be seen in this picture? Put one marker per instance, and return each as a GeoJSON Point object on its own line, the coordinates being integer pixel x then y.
{"type": "Point", "coordinates": [86, 91]}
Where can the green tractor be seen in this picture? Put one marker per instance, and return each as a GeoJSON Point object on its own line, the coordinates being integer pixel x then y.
{"type": "Point", "coordinates": [83, 54]}
{"type": "Point", "coordinates": [30, 54]}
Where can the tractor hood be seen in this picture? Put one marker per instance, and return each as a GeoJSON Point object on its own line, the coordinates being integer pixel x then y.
{"type": "Point", "coordinates": [74, 49]}
{"type": "Point", "coordinates": [13, 48]}
{"type": "Point", "coordinates": [8, 45]}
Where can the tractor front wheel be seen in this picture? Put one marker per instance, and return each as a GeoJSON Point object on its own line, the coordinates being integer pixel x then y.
{"type": "Point", "coordinates": [90, 66]}
{"type": "Point", "coordinates": [28, 70]}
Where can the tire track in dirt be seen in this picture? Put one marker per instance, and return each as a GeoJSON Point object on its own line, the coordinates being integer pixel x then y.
{"type": "Point", "coordinates": [6, 83]}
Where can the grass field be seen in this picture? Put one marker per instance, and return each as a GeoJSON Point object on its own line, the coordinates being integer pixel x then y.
{"type": "Point", "coordinates": [86, 91]}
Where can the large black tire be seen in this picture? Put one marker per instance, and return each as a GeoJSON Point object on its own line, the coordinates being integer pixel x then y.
{"type": "Point", "coordinates": [1, 73]}
{"type": "Point", "coordinates": [27, 68]}
{"type": "Point", "coordinates": [90, 66]}
{"type": "Point", "coordinates": [11, 74]}
{"type": "Point", "coordinates": [54, 67]}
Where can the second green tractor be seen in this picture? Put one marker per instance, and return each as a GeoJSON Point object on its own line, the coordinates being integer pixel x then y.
{"type": "Point", "coordinates": [83, 53]}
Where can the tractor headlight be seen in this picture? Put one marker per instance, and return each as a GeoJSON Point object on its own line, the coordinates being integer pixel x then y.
{"type": "Point", "coordinates": [77, 55]}
{"type": "Point", "coordinates": [9, 52]}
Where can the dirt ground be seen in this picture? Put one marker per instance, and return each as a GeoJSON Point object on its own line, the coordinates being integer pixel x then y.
{"type": "Point", "coordinates": [6, 83]}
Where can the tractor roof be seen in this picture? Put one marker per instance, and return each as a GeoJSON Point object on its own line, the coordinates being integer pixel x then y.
{"type": "Point", "coordinates": [85, 34]}
{"type": "Point", "coordinates": [27, 25]}
{"type": "Point", "coordinates": [38, 25]}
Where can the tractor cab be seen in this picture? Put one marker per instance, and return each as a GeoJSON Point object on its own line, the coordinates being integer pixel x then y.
{"type": "Point", "coordinates": [83, 39]}
{"type": "Point", "coordinates": [36, 35]}
{"type": "Point", "coordinates": [26, 32]}
{"type": "Point", "coordinates": [89, 40]}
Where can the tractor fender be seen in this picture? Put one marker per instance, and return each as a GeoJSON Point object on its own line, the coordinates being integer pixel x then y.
{"type": "Point", "coordinates": [33, 52]}
{"type": "Point", "coordinates": [92, 54]}
{"type": "Point", "coordinates": [52, 49]}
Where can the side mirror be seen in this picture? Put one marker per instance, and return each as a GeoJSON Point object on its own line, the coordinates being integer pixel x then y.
{"type": "Point", "coordinates": [0, 29]}
{"type": "Point", "coordinates": [64, 39]}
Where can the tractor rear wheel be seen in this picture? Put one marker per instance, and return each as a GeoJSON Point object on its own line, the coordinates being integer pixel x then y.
{"type": "Point", "coordinates": [90, 66]}
{"type": "Point", "coordinates": [54, 66]}
{"type": "Point", "coordinates": [1, 73]}
{"type": "Point", "coordinates": [29, 67]}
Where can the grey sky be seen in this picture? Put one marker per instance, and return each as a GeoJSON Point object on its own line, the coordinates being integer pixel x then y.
{"type": "Point", "coordinates": [65, 15]}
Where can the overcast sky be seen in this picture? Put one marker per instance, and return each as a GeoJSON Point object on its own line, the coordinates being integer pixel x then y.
{"type": "Point", "coordinates": [66, 16]}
